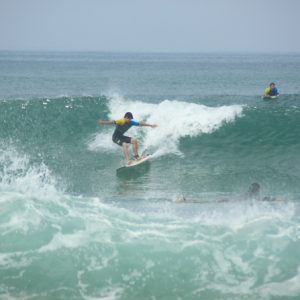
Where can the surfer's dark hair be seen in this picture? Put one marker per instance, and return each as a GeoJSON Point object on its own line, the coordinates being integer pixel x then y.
{"type": "Point", "coordinates": [128, 115]}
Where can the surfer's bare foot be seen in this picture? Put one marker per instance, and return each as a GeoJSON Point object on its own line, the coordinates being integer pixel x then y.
{"type": "Point", "coordinates": [137, 157]}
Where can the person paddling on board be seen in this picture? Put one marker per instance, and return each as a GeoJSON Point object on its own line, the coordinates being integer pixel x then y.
{"type": "Point", "coordinates": [118, 137]}
{"type": "Point", "coordinates": [271, 91]}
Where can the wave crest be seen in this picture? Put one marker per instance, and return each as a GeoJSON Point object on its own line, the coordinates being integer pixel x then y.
{"type": "Point", "coordinates": [175, 120]}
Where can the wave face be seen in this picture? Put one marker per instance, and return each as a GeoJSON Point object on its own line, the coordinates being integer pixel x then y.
{"type": "Point", "coordinates": [205, 148]}
{"type": "Point", "coordinates": [72, 227]}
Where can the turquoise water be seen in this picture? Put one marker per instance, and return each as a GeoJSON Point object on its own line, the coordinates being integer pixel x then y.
{"type": "Point", "coordinates": [73, 228]}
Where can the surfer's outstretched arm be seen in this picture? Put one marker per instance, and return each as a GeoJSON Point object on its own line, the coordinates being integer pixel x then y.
{"type": "Point", "coordinates": [149, 125]}
{"type": "Point", "coordinates": [105, 122]}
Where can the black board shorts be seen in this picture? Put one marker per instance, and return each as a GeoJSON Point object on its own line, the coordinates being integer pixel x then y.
{"type": "Point", "coordinates": [120, 139]}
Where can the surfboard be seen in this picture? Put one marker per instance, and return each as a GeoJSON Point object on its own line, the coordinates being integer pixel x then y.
{"type": "Point", "coordinates": [270, 97]}
{"type": "Point", "coordinates": [136, 162]}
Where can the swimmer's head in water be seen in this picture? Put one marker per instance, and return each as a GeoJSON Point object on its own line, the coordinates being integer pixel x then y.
{"type": "Point", "coordinates": [254, 189]}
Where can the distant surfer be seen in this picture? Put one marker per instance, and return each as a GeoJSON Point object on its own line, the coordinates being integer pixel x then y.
{"type": "Point", "coordinates": [271, 91]}
{"type": "Point", "coordinates": [118, 137]}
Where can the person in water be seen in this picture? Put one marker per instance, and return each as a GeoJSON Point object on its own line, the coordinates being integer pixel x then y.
{"type": "Point", "coordinates": [271, 91]}
{"type": "Point", "coordinates": [253, 193]}
{"type": "Point", "coordinates": [118, 137]}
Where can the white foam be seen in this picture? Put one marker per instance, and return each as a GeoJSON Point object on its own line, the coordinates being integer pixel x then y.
{"type": "Point", "coordinates": [65, 241]}
{"type": "Point", "coordinates": [242, 215]}
{"type": "Point", "coordinates": [180, 119]}
{"type": "Point", "coordinates": [19, 175]}
{"type": "Point", "coordinates": [288, 288]}
{"type": "Point", "coordinates": [175, 120]}
{"type": "Point", "coordinates": [102, 142]}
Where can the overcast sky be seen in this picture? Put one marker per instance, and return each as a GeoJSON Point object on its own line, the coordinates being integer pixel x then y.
{"type": "Point", "coordinates": [151, 25]}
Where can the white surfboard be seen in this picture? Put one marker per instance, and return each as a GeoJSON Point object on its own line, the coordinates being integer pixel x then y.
{"type": "Point", "coordinates": [136, 162]}
{"type": "Point", "coordinates": [270, 97]}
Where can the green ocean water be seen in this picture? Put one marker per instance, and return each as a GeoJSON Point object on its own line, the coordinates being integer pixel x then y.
{"type": "Point", "coordinates": [72, 227]}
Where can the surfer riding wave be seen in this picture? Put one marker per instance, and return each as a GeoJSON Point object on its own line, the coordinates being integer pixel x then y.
{"type": "Point", "coordinates": [118, 137]}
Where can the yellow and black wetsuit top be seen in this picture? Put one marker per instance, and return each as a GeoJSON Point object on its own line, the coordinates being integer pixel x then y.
{"type": "Point", "coordinates": [271, 92]}
{"type": "Point", "coordinates": [122, 126]}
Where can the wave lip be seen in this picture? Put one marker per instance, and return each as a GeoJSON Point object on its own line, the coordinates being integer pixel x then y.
{"type": "Point", "coordinates": [182, 119]}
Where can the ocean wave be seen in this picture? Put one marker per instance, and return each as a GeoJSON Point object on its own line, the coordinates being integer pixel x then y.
{"type": "Point", "coordinates": [216, 145]}
{"type": "Point", "coordinates": [220, 248]}
{"type": "Point", "coordinates": [175, 119]}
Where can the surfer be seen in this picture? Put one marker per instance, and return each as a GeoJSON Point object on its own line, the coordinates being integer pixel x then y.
{"type": "Point", "coordinates": [271, 91]}
{"type": "Point", "coordinates": [118, 137]}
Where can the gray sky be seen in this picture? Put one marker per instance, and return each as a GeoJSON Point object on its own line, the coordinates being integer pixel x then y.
{"type": "Point", "coordinates": [151, 25]}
